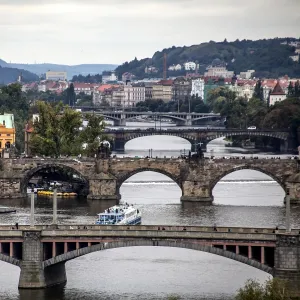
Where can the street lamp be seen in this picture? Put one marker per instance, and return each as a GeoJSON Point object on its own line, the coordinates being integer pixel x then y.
{"type": "Point", "coordinates": [32, 208]}
{"type": "Point", "coordinates": [54, 205]}
{"type": "Point", "coordinates": [288, 211]}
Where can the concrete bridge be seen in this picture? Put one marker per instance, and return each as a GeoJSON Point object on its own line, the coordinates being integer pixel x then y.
{"type": "Point", "coordinates": [42, 251]}
{"type": "Point", "coordinates": [196, 136]}
{"type": "Point", "coordinates": [102, 179]}
{"type": "Point", "coordinates": [120, 118]}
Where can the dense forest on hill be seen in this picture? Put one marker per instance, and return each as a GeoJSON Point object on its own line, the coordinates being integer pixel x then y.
{"type": "Point", "coordinates": [9, 75]}
{"type": "Point", "coordinates": [268, 57]}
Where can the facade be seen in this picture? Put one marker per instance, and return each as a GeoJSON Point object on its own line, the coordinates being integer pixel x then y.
{"type": "Point", "coordinates": [218, 71]}
{"type": "Point", "coordinates": [133, 93]}
{"type": "Point", "coordinates": [162, 90]}
{"type": "Point", "coordinates": [243, 88]}
{"type": "Point", "coordinates": [7, 131]}
{"type": "Point", "coordinates": [198, 88]}
{"type": "Point", "coordinates": [182, 88]}
{"type": "Point", "coordinates": [277, 94]}
{"type": "Point", "coordinates": [175, 68]}
{"type": "Point", "coordinates": [52, 75]}
{"type": "Point", "coordinates": [190, 65]}
{"type": "Point", "coordinates": [100, 97]}
{"type": "Point", "coordinates": [246, 75]}
{"type": "Point", "coordinates": [148, 90]}
{"type": "Point", "coordinates": [81, 87]}
{"type": "Point", "coordinates": [109, 76]}
{"type": "Point", "coordinates": [151, 69]}
{"type": "Point", "coordinates": [295, 58]}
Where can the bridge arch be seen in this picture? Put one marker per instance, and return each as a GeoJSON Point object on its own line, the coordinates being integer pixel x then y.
{"type": "Point", "coordinates": [54, 168]}
{"type": "Point", "coordinates": [167, 243]}
{"type": "Point", "coordinates": [246, 167]}
{"type": "Point", "coordinates": [123, 177]}
{"type": "Point", "coordinates": [10, 260]}
{"type": "Point", "coordinates": [189, 138]}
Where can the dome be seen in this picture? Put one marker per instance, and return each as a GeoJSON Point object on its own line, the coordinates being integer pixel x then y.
{"type": "Point", "coordinates": [218, 63]}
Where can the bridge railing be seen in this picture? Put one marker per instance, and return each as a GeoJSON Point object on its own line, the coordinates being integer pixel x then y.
{"type": "Point", "coordinates": [85, 227]}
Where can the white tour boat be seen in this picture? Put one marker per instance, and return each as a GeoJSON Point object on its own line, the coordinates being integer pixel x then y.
{"type": "Point", "coordinates": [120, 215]}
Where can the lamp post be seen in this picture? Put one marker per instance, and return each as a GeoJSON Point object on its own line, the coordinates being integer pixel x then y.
{"type": "Point", "coordinates": [32, 208]}
{"type": "Point", "coordinates": [288, 211]}
{"type": "Point", "coordinates": [54, 205]}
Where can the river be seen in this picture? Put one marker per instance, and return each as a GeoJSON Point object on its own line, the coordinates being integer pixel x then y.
{"type": "Point", "coordinates": [243, 198]}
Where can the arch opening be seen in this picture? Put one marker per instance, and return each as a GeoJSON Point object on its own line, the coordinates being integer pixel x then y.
{"type": "Point", "coordinates": [248, 187]}
{"type": "Point", "coordinates": [165, 244]}
{"type": "Point", "coordinates": [157, 145]}
{"type": "Point", "coordinates": [64, 177]}
{"type": "Point", "coordinates": [145, 187]}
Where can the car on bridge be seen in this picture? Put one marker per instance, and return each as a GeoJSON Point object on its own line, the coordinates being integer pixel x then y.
{"type": "Point", "coordinates": [252, 128]}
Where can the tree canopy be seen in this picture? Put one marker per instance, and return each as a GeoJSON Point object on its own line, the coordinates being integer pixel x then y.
{"type": "Point", "coordinates": [59, 131]}
{"type": "Point", "coordinates": [273, 289]}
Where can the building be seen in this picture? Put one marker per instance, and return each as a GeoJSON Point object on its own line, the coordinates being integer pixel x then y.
{"type": "Point", "coordinates": [81, 87]}
{"type": "Point", "coordinates": [295, 57]}
{"type": "Point", "coordinates": [151, 69]}
{"type": "Point", "coordinates": [198, 88]}
{"type": "Point", "coordinates": [218, 69]}
{"type": "Point", "coordinates": [175, 68]}
{"type": "Point", "coordinates": [133, 94]}
{"type": "Point", "coordinates": [109, 76]}
{"type": "Point", "coordinates": [148, 90]}
{"type": "Point", "coordinates": [277, 94]}
{"type": "Point", "coordinates": [127, 76]}
{"type": "Point", "coordinates": [100, 96]}
{"type": "Point", "coordinates": [190, 65]}
{"type": "Point", "coordinates": [52, 75]}
{"type": "Point", "coordinates": [162, 90]}
{"type": "Point", "coordinates": [243, 88]}
{"type": "Point", "coordinates": [246, 75]}
{"type": "Point", "coordinates": [182, 88]}
{"type": "Point", "coordinates": [7, 131]}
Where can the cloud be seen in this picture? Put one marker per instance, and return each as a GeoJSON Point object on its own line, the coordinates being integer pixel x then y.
{"type": "Point", "coordinates": [117, 30]}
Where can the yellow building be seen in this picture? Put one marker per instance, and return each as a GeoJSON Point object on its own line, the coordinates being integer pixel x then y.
{"type": "Point", "coordinates": [162, 90]}
{"type": "Point", "coordinates": [7, 131]}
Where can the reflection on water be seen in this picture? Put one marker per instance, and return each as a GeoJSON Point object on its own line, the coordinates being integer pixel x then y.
{"type": "Point", "coordinates": [243, 198]}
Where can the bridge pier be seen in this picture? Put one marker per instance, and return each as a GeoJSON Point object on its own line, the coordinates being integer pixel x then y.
{"type": "Point", "coordinates": [33, 274]}
{"type": "Point", "coordinates": [193, 191]}
{"type": "Point", "coordinates": [119, 145]}
{"type": "Point", "coordinates": [120, 122]}
{"type": "Point", "coordinates": [103, 189]}
{"type": "Point", "coordinates": [287, 261]}
{"type": "Point", "coordinates": [195, 146]}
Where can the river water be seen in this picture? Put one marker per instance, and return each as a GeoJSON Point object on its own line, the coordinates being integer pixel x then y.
{"type": "Point", "coordinates": [243, 198]}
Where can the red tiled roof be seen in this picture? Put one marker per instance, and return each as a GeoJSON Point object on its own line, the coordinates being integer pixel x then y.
{"type": "Point", "coordinates": [277, 90]}
{"type": "Point", "coordinates": [165, 82]}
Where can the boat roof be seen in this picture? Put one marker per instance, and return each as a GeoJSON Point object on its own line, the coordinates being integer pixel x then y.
{"type": "Point", "coordinates": [112, 210]}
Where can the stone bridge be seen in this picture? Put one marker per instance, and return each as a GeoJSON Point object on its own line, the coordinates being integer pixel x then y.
{"type": "Point", "coordinates": [196, 136]}
{"type": "Point", "coordinates": [42, 251]}
{"type": "Point", "coordinates": [103, 178]}
{"type": "Point", "coordinates": [183, 119]}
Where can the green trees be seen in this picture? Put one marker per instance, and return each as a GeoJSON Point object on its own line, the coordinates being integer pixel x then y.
{"type": "Point", "coordinates": [13, 101]}
{"type": "Point", "coordinates": [59, 132]}
{"type": "Point", "coordinates": [258, 91]}
{"type": "Point", "coordinates": [273, 289]}
{"type": "Point", "coordinates": [71, 96]}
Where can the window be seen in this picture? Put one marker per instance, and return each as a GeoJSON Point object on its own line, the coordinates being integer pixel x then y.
{"type": "Point", "coordinates": [4, 122]}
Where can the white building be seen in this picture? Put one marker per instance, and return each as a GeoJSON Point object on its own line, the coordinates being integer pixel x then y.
{"type": "Point", "coordinates": [246, 75]}
{"type": "Point", "coordinates": [133, 93]}
{"type": "Point", "coordinates": [52, 75]}
{"type": "Point", "coordinates": [108, 76]}
{"type": "Point", "coordinates": [190, 65]}
{"type": "Point", "coordinates": [277, 94]}
{"type": "Point", "coordinates": [175, 68]}
{"type": "Point", "coordinates": [81, 87]}
{"type": "Point", "coordinates": [218, 71]}
{"type": "Point", "coordinates": [198, 88]}
{"type": "Point", "coordinates": [295, 58]}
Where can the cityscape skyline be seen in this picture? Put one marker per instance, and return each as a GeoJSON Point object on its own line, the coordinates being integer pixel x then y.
{"type": "Point", "coordinates": [115, 32]}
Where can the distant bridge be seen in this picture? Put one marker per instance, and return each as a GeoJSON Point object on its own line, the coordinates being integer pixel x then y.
{"type": "Point", "coordinates": [196, 136]}
{"type": "Point", "coordinates": [182, 119]}
{"type": "Point", "coordinates": [42, 251]}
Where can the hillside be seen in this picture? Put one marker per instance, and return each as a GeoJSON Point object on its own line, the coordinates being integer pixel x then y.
{"type": "Point", "coordinates": [9, 75]}
{"type": "Point", "coordinates": [268, 57]}
{"type": "Point", "coordinates": [84, 69]}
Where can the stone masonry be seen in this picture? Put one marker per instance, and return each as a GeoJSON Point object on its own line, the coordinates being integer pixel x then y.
{"type": "Point", "coordinates": [104, 178]}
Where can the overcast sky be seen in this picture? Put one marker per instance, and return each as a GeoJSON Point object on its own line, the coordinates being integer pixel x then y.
{"type": "Point", "coordinates": [114, 31]}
